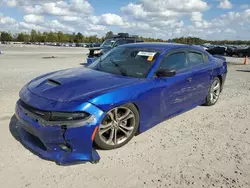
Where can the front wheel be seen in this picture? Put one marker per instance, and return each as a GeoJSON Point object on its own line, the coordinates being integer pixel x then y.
{"type": "Point", "coordinates": [214, 92]}
{"type": "Point", "coordinates": [118, 127]}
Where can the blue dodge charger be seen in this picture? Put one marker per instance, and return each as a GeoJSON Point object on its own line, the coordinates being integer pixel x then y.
{"type": "Point", "coordinates": [123, 93]}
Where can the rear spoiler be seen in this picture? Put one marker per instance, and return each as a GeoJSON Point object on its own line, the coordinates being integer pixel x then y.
{"type": "Point", "coordinates": [220, 57]}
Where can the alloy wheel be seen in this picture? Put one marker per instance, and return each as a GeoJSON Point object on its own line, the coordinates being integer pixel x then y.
{"type": "Point", "coordinates": [215, 91]}
{"type": "Point", "coordinates": [117, 126]}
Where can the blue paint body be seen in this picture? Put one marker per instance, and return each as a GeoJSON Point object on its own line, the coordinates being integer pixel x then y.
{"type": "Point", "coordinates": [90, 60]}
{"type": "Point", "coordinates": [95, 92]}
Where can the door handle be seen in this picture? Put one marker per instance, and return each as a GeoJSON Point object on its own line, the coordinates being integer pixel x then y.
{"type": "Point", "coordinates": [189, 79]}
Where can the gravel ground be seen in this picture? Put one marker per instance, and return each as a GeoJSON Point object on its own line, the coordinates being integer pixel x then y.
{"type": "Point", "coordinates": [204, 147]}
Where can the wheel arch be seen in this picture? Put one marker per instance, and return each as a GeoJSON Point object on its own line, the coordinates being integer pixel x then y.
{"type": "Point", "coordinates": [137, 107]}
{"type": "Point", "coordinates": [221, 81]}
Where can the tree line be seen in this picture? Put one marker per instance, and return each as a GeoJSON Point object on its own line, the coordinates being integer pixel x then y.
{"type": "Point", "coordinates": [37, 36]}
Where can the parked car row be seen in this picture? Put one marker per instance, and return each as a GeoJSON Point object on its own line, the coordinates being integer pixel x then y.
{"type": "Point", "coordinates": [87, 45]}
{"type": "Point", "coordinates": [4, 42]}
{"type": "Point", "coordinates": [229, 50]}
{"type": "Point", "coordinates": [64, 44]}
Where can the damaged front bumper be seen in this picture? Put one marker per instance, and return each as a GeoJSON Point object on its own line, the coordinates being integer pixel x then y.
{"type": "Point", "coordinates": [59, 143]}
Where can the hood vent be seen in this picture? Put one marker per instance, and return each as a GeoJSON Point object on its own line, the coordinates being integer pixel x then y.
{"type": "Point", "coordinates": [53, 82]}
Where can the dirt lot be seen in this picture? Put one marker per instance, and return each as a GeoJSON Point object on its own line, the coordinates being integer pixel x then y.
{"type": "Point", "coordinates": [205, 147]}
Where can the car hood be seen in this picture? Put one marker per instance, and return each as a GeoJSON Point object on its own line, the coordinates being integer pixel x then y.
{"type": "Point", "coordinates": [100, 48]}
{"type": "Point", "coordinates": [77, 84]}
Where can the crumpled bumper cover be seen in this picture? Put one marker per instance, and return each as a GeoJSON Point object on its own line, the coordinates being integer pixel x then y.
{"type": "Point", "coordinates": [64, 145]}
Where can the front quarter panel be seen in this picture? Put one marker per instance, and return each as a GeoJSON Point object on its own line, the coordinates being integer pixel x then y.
{"type": "Point", "coordinates": [146, 96]}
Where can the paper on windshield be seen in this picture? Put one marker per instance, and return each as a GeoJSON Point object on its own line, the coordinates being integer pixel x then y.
{"type": "Point", "coordinates": [151, 54]}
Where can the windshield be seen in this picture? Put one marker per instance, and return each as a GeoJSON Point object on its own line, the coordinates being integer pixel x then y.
{"type": "Point", "coordinates": [108, 43]}
{"type": "Point", "coordinates": [127, 61]}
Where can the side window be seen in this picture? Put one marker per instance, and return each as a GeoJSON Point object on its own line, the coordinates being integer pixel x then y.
{"type": "Point", "coordinates": [195, 59]}
{"type": "Point", "coordinates": [175, 61]}
{"type": "Point", "coordinates": [130, 41]}
{"type": "Point", "coordinates": [121, 42]}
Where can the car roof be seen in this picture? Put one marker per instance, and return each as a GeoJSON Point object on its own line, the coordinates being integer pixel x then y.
{"type": "Point", "coordinates": [122, 38]}
{"type": "Point", "coordinates": [162, 45]}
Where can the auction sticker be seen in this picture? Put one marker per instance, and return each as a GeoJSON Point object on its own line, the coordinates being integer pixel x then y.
{"type": "Point", "coordinates": [151, 54]}
{"type": "Point", "coordinates": [150, 58]}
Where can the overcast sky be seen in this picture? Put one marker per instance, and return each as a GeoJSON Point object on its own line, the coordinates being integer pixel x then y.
{"type": "Point", "coordinates": [208, 19]}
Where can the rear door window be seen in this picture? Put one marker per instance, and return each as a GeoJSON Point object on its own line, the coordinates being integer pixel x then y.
{"type": "Point", "coordinates": [175, 61]}
{"type": "Point", "coordinates": [195, 58]}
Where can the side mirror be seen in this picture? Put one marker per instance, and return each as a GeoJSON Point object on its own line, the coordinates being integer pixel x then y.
{"type": "Point", "coordinates": [165, 73]}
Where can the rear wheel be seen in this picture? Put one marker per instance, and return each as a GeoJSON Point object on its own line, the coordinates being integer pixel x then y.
{"type": "Point", "coordinates": [118, 127]}
{"type": "Point", "coordinates": [214, 92]}
{"type": "Point", "coordinates": [241, 55]}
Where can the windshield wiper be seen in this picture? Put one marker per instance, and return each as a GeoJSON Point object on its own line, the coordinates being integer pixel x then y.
{"type": "Point", "coordinates": [122, 71]}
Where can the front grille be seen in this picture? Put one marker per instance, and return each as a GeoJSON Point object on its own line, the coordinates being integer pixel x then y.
{"type": "Point", "coordinates": [40, 113]}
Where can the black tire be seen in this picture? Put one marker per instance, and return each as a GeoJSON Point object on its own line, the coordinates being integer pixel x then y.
{"type": "Point", "coordinates": [102, 145]}
{"type": "Point", "coordinates": [241, 55]}
{"type": "Point", "coordinates": [225, 54]}
{"type": "Point", "coordinates": [209, 100]}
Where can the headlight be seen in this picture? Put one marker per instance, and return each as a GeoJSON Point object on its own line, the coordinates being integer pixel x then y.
{"type": "Point", "coordinates": [97, 52]}
{"type": "Point", "coordinates": [71, 120]}
{"type": "Point", "coordinates": [61, 116]}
